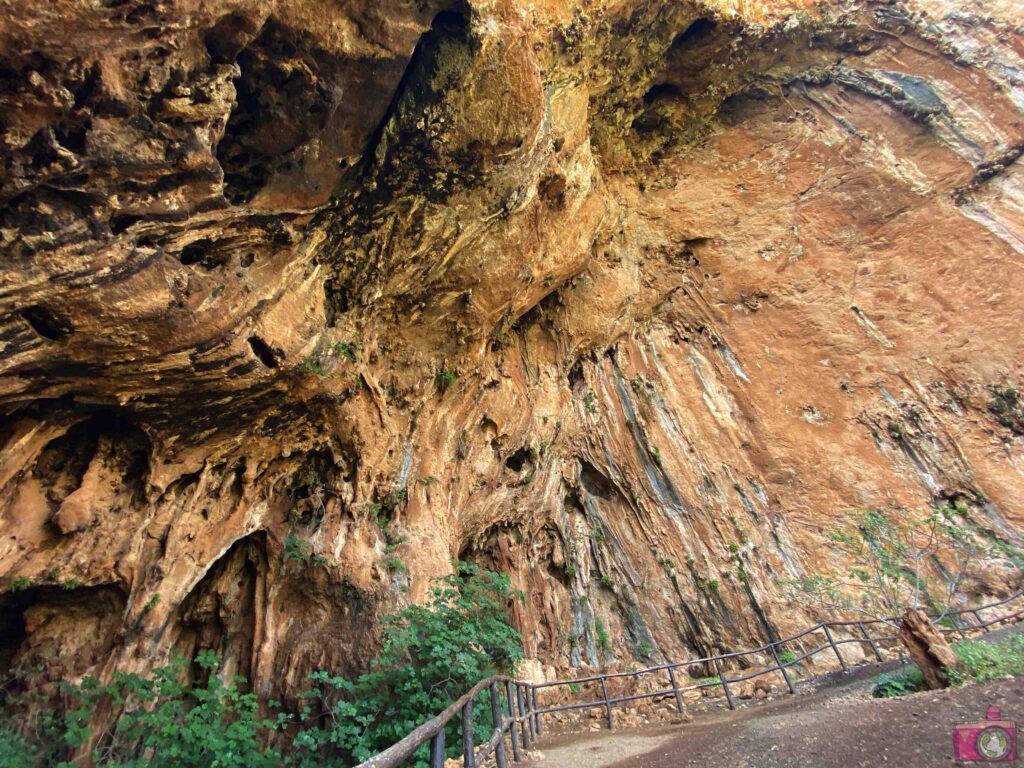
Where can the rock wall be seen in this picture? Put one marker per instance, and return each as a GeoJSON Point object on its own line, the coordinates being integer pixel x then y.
{"type": "Point", "coordinates": [300, 301]}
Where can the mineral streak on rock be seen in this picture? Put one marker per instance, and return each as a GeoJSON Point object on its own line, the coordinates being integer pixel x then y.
{"type": "Point", "coordinates": [632, 300]}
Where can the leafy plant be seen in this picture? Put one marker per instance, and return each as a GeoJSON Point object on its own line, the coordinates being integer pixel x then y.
{"type": "Point", "coordinates": [607, 580]}
{"type": "Point", "coordinates": [1005, 404]}
{"type": "Point", "coordinates": [787, 657]}
{"type": "Point", "coordinates": [154, 599]}
{"type": "Point", "coordinates": [569, 570]}
{"type": "Point", "coordinates": [20, 584]}
{"type": "Point", "coordinates": [898, 683]}
{"type": "Point", "coordinates": [432, 654]}
{"type": "Point", "coordinates": [347, 349]}
{"type": "Point", "coordinates": [604, 642]}
{"type": "Point", "coordinates": [395, 564]}
{"type": "Point", "coordinates": [165, 723]}
{"type": "Point", "coordinates": [71, 584]}
{"type": "Point", "coordinates": [312, 365]}
{"type": "Point", "coordinates": [977, 661]}
{"type": "Point", "coordinates": [445, 378]}
{"type": "Point", "coordinates": [890, 563]}
{"type": "Point", "coordinates": [297, 549]}
{"type": "Point", "coordinates": [590, 403]}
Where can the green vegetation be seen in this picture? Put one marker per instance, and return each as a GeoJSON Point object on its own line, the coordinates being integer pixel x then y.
{"type": "Point", "coordinates": [604, 642]}
{"type": "Point", "coordinates": [348, 349]}
{"type": "Point", "coordinates": [569, 570]}
{"type": "Point", "coordinates": [787, 657]}
{"type": "Point", "coordinates": [892, 562]}
{"type": "Point", "coordinates": [395, 564]}
{"type": "Point", "coordinates": [607, 580]}
{"type": "Point", "coordinates": [597, 534]}
{"type": "Point", "coordinates": [302, 551]}
{"type": "Point", "coordinates": [312, 364]}
{"type": "Point", "coordinates": [644, 650]}
{"type": "Point", "coordinates": [1005, 404]}
{"type": "Point", "coordinates": [19, 584]}
{"type": "Point", "coordinates": [71, 584]}
{"type": "Point", "coordinates": [168, 723]}
{"type": "Point", "coordinates": [977, 661]}
{"type": "Point", "coordinates": [445, 378]}
{"type": "Point", "coordinates": [590, 403]}
{"type": "Point", "coordinates": [152, 603]}
{"type": "Point", "coordinates": [895, 430]}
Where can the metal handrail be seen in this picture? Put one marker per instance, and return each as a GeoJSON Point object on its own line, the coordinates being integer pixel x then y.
{"type": "Point", "coordinates": [523, 720]}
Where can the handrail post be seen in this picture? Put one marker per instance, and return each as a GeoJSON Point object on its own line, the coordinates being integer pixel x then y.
{"type": "Point", "coordinates": [536, 714]}
{"type": "Point", "coordinates": [529, 713]}
{"type": "Point", "coordinates": [468, 758]}
{"type": "Point", "coordinates": [724, 682]}
{"type": "Point", "coordinates": [496, 719]}
{"type": "Point", "coordinates": [437, 749]}
{"type": "Point", "coordinates": [842, 661]}
{"type": "Point", "coordinates": [607, 704]}
{"type": "Point", "coordinates": [524, 724]}
{"type": "Point", "coordinates": [782, 668]}
{"type": "Point", "coordinates": [981, 624]}
{"type": "Point", "coordinates": [675, 690]}
{"type": "Point", "coordinates": [871, 642]}
{"type": "Point", "coordinates": [512, 725]}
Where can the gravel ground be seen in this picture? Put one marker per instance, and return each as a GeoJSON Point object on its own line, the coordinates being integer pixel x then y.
{"type": "Point", "coordinates": [833, 723]}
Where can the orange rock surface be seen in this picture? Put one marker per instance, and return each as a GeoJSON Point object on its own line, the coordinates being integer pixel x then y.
{"type": "Point", "coordinates": [301, 301]}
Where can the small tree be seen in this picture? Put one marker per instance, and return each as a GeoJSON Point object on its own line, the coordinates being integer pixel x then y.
{"type": "Point", "coordinates": [432, 655]}
{"type": "Point", "coordinates": [893, 564]}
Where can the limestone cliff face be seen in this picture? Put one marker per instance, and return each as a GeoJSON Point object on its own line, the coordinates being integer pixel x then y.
{"type": "Point", "coordinates": [301, 300]}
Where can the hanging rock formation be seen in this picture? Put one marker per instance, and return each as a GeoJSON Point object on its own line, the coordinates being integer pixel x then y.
{"type": "Point", "coordinates": [632, 300]}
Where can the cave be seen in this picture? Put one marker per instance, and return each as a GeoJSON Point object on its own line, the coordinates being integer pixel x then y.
{"type": "Point", "coordinates": [304, 302]}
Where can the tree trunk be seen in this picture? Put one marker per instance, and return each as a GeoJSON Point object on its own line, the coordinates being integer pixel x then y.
{"type": "Point", "coordinates": [927, 648]}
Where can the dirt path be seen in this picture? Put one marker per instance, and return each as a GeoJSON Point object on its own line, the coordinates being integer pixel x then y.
{"type": "Point", "coordinates": [837, 726]}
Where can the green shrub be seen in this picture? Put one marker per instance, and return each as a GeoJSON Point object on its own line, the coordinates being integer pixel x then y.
{"type": "Point", "coordinates": [165, 723]}
{"type": "Point", "coordinates": [607, 580]}
{"type": "Point", "coordinates": [787, 657]}
{"type": "Point", "coordinates": [432, 654]}
{"type": "Point", "coordinates": [445, 378]}
{"type": "Point", "coordinates": [898, 683]}
{"type": "Point", "coordinates": [312, 365]}
{"type": "Point", "coordinates": [154, 599]}
{"type": "Point", "coordinates": [18, 752]}
{"type": "Point", "coordinates": [19, 584]}
{"type": "Point", "coordinates": [978, 661]}
{"type": "Point", "coordinates": [604, 642]}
